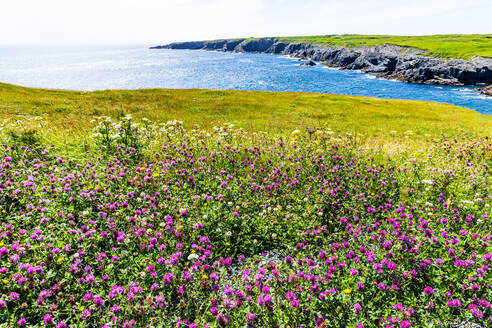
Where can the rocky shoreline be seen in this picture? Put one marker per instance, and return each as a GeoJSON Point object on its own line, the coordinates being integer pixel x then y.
{"type": "Point", "coordinates": [387, 61]}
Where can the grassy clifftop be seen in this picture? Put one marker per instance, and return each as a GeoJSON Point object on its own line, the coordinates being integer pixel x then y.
{"type": "Point", "coordinates": [442, 46]}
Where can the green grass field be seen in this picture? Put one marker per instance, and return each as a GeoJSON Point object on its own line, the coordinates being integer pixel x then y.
{"type": "Point", "coordinates": [67, 117]}
{"type": "Point", "coordinates": [442, 46]}
{"type": "Point", "coordinates": [252, 110]}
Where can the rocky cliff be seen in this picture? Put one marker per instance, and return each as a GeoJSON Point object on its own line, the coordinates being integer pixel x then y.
{"type": "Point", "coordinates": [389, 61]}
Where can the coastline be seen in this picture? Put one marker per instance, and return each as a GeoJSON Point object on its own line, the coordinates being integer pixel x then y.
{"type": "Point", "coordinates": [386, 61]}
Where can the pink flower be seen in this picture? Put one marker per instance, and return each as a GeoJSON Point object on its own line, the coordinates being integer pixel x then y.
{"type": "Point", "coordinates": [250, 318]}
{"type": "Point", "coordinates": [214, 310]}
{"type": "Point", "coordinates": [3, 252]}
{"type": "Point", "coordinates": [399, 307]}
{"type": "Point", "coordinates": [223, 319]}
{"type": "Point", "coordinates": [456, 303]}
{"type": "Point", "coordinates": [88, 297]}
{"type": "Point", "coordinates": [167, 278]}
{"type": "Point", "coordinates": [290, 296]}
{"type": "Point", "coordinates": [405, 324]}
{"type": "Point", "coordinates": [48, 319]}
{"type": "Point", "coordinates": [98, 301]}
{"type": "Point", "coordinates": [14, 296]}
{"type": "Point", "coordinates": [477, 313]}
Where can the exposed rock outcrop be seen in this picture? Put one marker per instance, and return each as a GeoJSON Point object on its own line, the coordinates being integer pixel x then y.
{"type": "Point", "coordinates": [309, 63]}
{"type": "Point", "coordinates": [487, 91]}
{"type": "Point", "coordinates": [388, 61]}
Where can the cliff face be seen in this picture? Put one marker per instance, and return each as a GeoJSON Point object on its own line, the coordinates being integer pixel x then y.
{"type": "Point", "coordinates": [406, 64]}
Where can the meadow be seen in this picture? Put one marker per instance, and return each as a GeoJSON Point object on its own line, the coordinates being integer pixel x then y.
{"type": "Point", "coordinates": [463, 46]}
{"type": "Point", "coordinates": [206, 208]}
{"type": "Point", "coordinates": [376, 120]}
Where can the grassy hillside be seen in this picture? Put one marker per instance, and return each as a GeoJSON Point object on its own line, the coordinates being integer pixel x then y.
{"type": "Point", "coordinates": [443, 46]}
{"type": "Point", "coordinates": [278, 113]}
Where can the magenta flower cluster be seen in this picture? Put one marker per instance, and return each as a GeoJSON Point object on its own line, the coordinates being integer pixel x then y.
{"type": "Point", "coordinates": [207, 232]}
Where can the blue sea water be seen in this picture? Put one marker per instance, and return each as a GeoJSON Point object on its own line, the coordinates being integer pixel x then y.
{"type": "Point", "coordinates": [135, 67]}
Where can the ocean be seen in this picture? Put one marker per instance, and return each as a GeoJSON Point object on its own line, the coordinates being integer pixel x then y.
{"type": "Point", "coordinates": [135, 67]}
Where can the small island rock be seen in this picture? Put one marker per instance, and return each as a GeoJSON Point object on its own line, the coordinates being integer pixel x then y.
{"type": "Point", "coordinates": [309, 63]}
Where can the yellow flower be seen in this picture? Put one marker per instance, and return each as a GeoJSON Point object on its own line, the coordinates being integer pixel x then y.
{"type": "Point", "coordinates": [5, 281]}
{"type": "Point", "coordinates": [347, 291]}
{"type": "Point", "coordinates": [204, 276]}
{"type": "Point", "coordinates": [60, 260]}
{"type": "Point", "coordinates": [227, 244]}
{"type": "Point", "coordinates": [156, 174]}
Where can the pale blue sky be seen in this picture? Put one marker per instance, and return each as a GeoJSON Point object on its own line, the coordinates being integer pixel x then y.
{"type": "Point", "coordinates": [160, 21]}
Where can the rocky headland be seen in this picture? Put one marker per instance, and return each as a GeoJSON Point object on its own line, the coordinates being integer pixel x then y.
{"type": "Point", "coordinates": [387, 61]}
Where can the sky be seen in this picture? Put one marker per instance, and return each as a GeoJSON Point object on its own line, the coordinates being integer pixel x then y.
{"type": "Point", "coordinates": [152, 22]}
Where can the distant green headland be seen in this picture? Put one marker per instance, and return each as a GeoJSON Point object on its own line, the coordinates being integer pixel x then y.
{"type": "Point", "coordinates": [463, 46]}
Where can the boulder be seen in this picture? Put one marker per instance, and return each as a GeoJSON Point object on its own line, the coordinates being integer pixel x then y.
{"type": "Point", "coordinates": [309, 63]}
{"type": "Point", "coordinates": [487, 91]}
